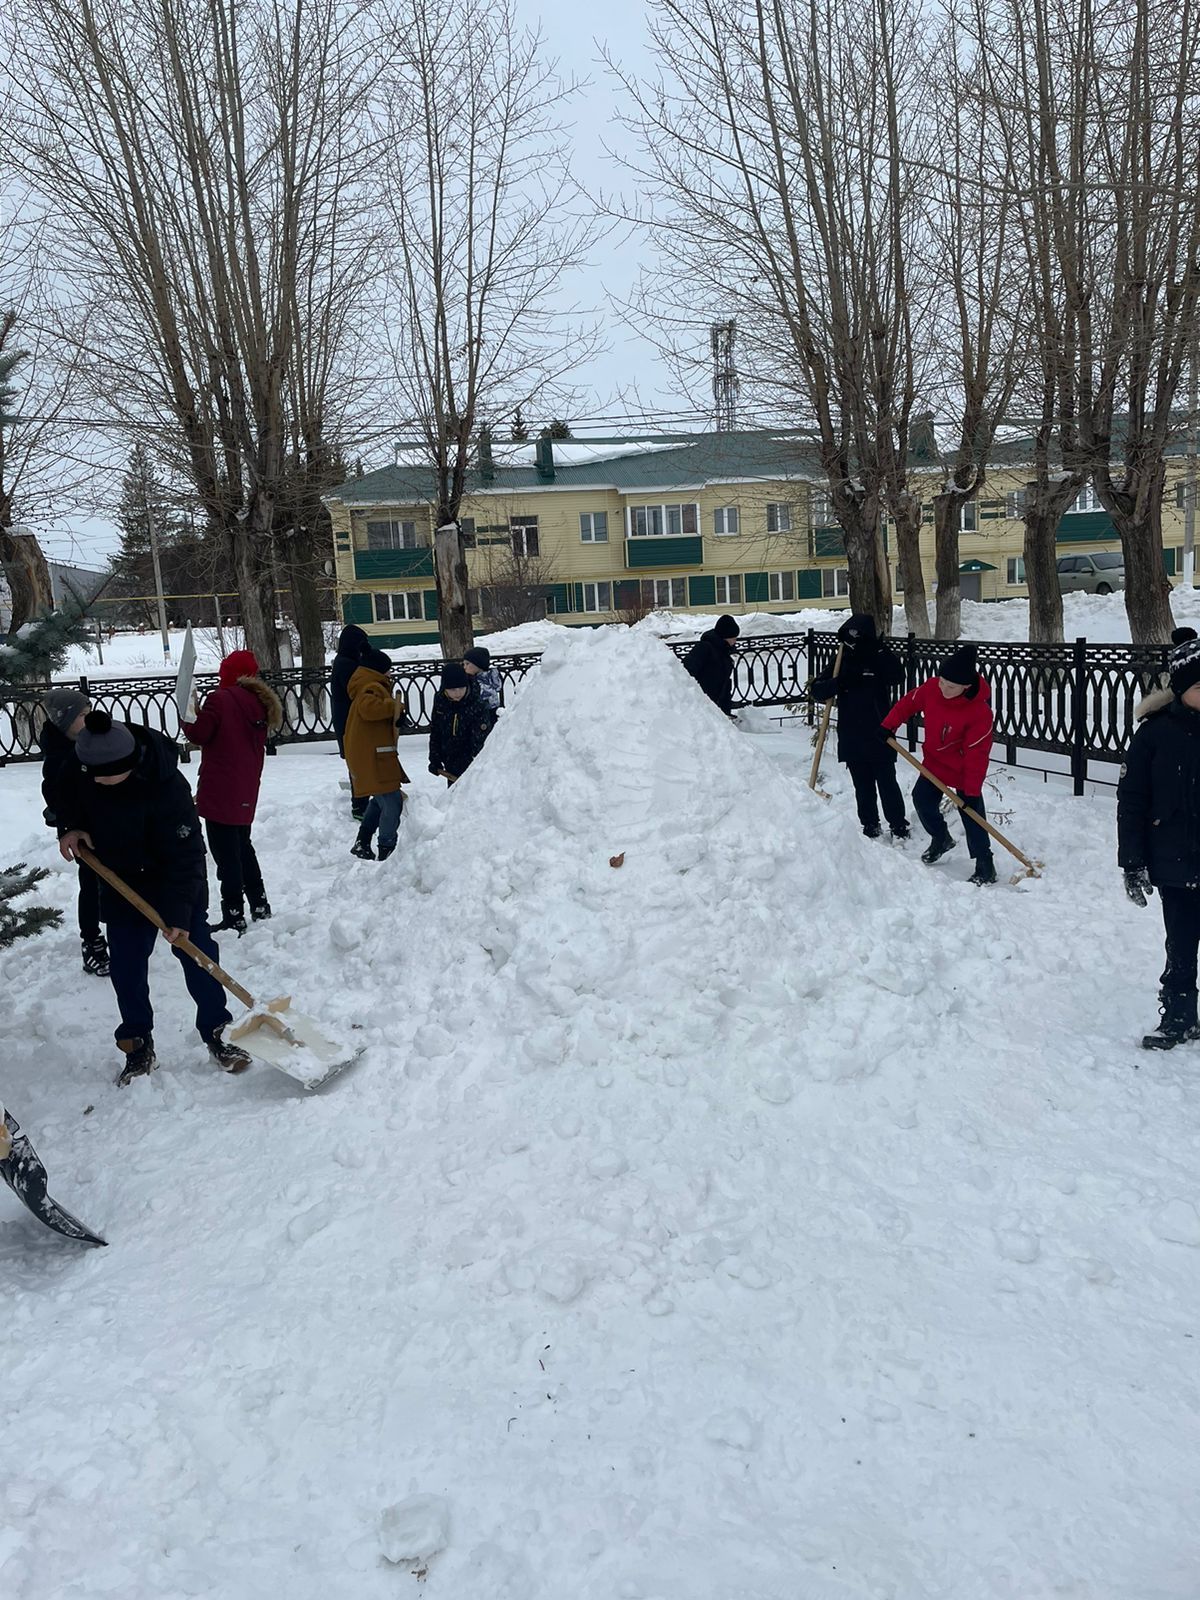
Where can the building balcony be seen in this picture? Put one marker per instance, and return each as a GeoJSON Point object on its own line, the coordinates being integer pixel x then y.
{"type": "Point", "coordinates": [370, 565]}
{"type": "Point", "coordinates": [686, 550]}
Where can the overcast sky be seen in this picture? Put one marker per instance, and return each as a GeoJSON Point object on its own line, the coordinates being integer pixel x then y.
{"type": "Point", "coordinates": [628, 363]}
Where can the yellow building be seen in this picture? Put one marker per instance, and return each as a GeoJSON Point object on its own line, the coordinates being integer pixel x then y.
{"type": "Point", "coordinates": [731, 522]}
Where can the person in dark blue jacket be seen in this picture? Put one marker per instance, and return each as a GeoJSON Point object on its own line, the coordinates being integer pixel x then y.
{"type": "Point", "coordinates": [865, 689]}
{"type": "Point", "coordinates": [1158, 833]}
{"type": "Point", "coordinates": [710, 662]}
{"type": "Point", "coordinates": [353, 645]}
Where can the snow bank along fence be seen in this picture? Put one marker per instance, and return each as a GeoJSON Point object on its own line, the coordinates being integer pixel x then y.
{"type": "Point", "coordinates": [1072, 703]}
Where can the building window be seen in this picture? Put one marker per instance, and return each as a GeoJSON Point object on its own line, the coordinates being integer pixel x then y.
{"type": "Point", "coordinates": [1087, 499]}
{"type": "Point", "coordinates": [1016, 570]}
{"type": "Point", "coordinates": [524, 532]}
{"type": "Point", "coordinates": [1014, 505]}
{"type": "Point", "coordinates": [820, 508]}
{"type": "Point", "coordinates": [899, 586]}
{"type": "Point", "coordinates": [1181, 495]}
{"type": "Point", "coordinates": [662, 593]}
{"type": "Point", "coordinates": [593, 528]}
{"type": "Point", "coordinates": [725, 520]}
{"type": "Point", "coordinates": [467, 524]}
{"type": "Point", "coordinates": [658, 522]}
{"type": "Point", "coordinates": [970, 516]}
{"type": "Point", "coordinates": [779, 516]}
{"type": "Point", "coordinates": [835, 583]}
{"type": "Point", "coordinates": [729, 590]}
{"type": "Point", "coordinates": [781, 585]}
{"type": "Point", "coordinates": [597, 597]}
{"type": "Point", "coordinates": [399, 607]}
{"type": "Point", "coordinates": [388, 535]}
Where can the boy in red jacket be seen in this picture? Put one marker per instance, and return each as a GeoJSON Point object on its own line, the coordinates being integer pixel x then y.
{"type": "Point", "coordinates": [957, 709]}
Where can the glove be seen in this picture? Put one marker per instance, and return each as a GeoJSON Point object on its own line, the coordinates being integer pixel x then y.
{"type": "Point", "coordinates": [1138, 885]}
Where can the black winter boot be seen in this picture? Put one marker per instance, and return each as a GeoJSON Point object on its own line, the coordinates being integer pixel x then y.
{"type": "Point", "coordinates": [233, 920]}
{"type": "Point", "coordinates": [1177, 1024]}
{"type": "Point", "coordinates": [95, 956]}
{"type": "Point", "coordinates": [362, 847]}
{"type": "Point", "coordinates": [139, 1059]}
{"type": "Point", "coordinates": [939, 848]}
{"type": "Point", "coordinates": [902, 831]}
{"type": "Point", "coordinates": [229, 1057]}
{"type": "Point", "coordinates": [262, 911]}
{"type": "Point", "coordinates": [985, 871]}
{"type": "Point", "coordinates": [872, 830]}
{"type": "Point", "coordinates": [385, 851]}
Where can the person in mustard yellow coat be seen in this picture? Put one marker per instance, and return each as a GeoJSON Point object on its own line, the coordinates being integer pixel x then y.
{"type": "Point", "coordinates": [369, 743]}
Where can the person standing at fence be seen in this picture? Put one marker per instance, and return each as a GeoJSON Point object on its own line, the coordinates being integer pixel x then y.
{"type": "Point", "coordinates": [477, 664]}
{"type": "Point", "coordinates": [232, 728]}
{"type": "Point", "coordinates": [956, 706]}
{"type": "Point", "coordinates": [65, 710]}
{"type": "Point", "coordinates": [1158, 833]}
{"type": "Point", "coordinates": [132, 806]}
{"type": "Point", "coordinates": [370, 746]}
{"type": "Point", "coordinates": [353, 644]}
{"type": "Point", "coordinates": [459, 726]}
{"type": "Point", "coordinates": [864, 687]}
{"type": "Point", "coordinates": [710, 662]}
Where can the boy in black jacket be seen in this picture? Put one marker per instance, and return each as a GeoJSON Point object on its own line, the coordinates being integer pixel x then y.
{"type": "Point", "coordinates": [132, 806]}
{"type": "Point", "coordinates": [65, 710]}
{"type": "Point", "coordinates": [1158, 833]}
{"type": "Point", "coordinates": [459, 726]}
{"type": "Point", "coordinates": [710, 662]}
{"type": "Point", "coordinates": [865, 689]}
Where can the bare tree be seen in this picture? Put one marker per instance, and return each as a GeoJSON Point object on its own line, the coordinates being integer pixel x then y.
{"type": "Point", "coordinates": [513, 585]}
{"type": "Point", "coordinates": [479, 208]}
{"type": "Point", "coordinates": [194, 156]}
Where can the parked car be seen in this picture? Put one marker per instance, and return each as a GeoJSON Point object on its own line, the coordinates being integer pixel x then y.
{"type": "Point", "coordinates": [1099, 573]}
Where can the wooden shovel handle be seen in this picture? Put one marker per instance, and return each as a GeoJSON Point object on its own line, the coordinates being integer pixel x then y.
{"type": "Point", "coordinates": [967, 810]}
{"type": "Point", "coordinates": [82, 853]}
{"type": "Point", "coordinates": [824, 729]}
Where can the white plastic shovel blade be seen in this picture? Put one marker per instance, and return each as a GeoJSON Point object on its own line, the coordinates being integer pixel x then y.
{"type": "Point", "coordinates": [304, 1052]}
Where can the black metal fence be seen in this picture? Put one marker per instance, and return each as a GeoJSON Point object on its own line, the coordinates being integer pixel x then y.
{"type": "Point", "coordinates": [1074, 701]}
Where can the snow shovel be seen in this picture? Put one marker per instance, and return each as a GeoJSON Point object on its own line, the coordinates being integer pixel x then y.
{"type": "Point", "coordinates": [824, 729]}
{"type": "Point", "coordinates": [1032, 868]}
{"type": "Point", "coordinates": [26, 1177]}
{"type": "Point", "coordinates": [273, 1032]}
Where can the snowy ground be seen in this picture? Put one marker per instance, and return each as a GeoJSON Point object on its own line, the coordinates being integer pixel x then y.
{"type": "Point", "coordinates": [1099, 618]}
{"type": "Point", "coordinates": [770, 1216]}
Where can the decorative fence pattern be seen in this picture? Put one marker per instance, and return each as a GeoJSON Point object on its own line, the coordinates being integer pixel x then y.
{"type": "Point", "coordinates": [1072, 700]}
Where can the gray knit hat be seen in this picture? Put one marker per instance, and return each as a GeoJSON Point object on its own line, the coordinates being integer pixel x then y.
{"type": "Point", "coordinates": [105, 747]}
{"type": "Point", "coordinates": [62, 706]}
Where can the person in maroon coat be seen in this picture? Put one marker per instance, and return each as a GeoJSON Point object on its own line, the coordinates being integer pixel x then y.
{"type": "Point", "coordinates": [231, 729]}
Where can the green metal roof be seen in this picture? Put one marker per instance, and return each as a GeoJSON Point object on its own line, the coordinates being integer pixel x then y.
{"type": "Point", "coordinates": [976, 566]}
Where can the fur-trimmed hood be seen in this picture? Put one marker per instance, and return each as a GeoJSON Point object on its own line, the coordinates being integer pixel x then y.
{"type": "Point", "coordinates": [1157, 700]}
{"type": "Point", "coordinates": [269, 700]}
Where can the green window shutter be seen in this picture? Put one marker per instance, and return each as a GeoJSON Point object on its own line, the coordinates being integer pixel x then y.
{"type": "Point", "coordinates": [1169, 561]}
{"type": "Point", "coordinates": [756, 587]}
{"type": "Point", "coordinates": [558, 596]}
{"type": "Point", "coordinates": [808, 584]}
{"type": "Point", "coordinates": [578, 588]}
{"type": "Point", "coordinates": [357, 608]}
{"type": "Point", "coordinates": [429, 596]}
{"type": "Point", "coordinates": [702, 591]}
{"type": "Point", "coordinates": [627, 593]}
{"type": "Point", "coordinates": [828, 542]}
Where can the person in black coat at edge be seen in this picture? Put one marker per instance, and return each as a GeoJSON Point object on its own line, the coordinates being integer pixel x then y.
{"type": "Point", "coordinates": [1158, 831]}
{"type": "Point", "coordinates": [131, 805]}
{"type": "Point", "coordinates": [865, 691]}
{"type": "Point", "coordinates": [710, 662]}
{"type": "Point", "coordinates": [65, 710]}
{"type": "Point", "coordinates": [459, 725]}
{"type": "Point", "coordinates": [353, 644]}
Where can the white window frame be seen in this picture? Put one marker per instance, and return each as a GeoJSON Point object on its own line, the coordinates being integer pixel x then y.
{"type": "Point", "coordinates": [820, 508]}
{"type": "Point", "coordinates": [1086, 500]}
{"type": "Point", "coordinates": [1014, 571]}
{"type": "Point", "coordinates": [597, 597]}
{"type": "Point", "coordinates": [835, 583]}
{"type": "Point", "coordinates": [970, 516]}
{"type": "Point", "coordinates": [781, 586]}
{"type": "Point", "coordinates": [779, 516]}
{"type": "Point", "coordinates": [687, 510]}
{"type": "Point", "coordinates": [727, 522]}
{"type": "Point", "coordinates": [672, 598]}
{"type": "Point", "coordinates": [731, 582]}
{"type": "Point", "coordinates": [403, 606]}
{"type": "Point", "coordinates": [403, 533]}
{"type": "Point", "coordinates": [588, 531]}
{"type": "Point", "coordinates": [519, 529]}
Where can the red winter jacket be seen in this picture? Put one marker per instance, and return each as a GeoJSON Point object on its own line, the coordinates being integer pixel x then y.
{"type": "Point", "coordinates": [958, 732]}
{"type": "Point", "coordinates": [232, 730]}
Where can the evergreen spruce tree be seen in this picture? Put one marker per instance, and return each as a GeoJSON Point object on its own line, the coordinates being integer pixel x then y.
{"type": "Point", "coordinates": [132, 568]}
{"type": "Point", "coordinates": [19, 922]}
{"type": "Point", "coordinates": [41, 647]}
{"type": "Point", "coordinates": [559, 429]}
{"type": "Point", "coordinates": [520, 431]}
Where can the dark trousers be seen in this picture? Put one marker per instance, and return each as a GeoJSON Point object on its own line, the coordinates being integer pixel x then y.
{"type": "Point", "coordinates": [875, 784]}
{"type": "Point", "coordinates": [238, 871]}
{"type": "Point", "coordinates": [927, 798]}
{"type": "Point", "coordinates": [383, 811]}
{"type": "Point", "coordinates": [88, 904]}
{"type": "Point", "coordinates": [1181, 920]}
{"type": "Point", "coordinates": [130, 941]}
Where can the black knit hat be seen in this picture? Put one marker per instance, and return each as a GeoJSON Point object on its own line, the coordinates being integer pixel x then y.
{"type": "Point", "coordinates": [1184, 665]}
{"type": "Point", "coordinates": [375, 660]}
{"type": "Point", "coordinates": [105, 747]}
{"type": "Point", "coordinates": [478, 657]}
{"type": "Point", "coordinates": [1182, 635]}
{"type": "Point", "coordinates": [726, 628]}
{"type": "Point", "coordinates": [454, 677]}
{"type": "Point", "coordinates": [62, 706]}
{"type": "Point", "coordinates": [858, 629]}
{"type": "Point", "coordinates": [960, 666]}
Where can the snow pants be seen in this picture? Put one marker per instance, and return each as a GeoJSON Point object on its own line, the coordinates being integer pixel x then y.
{"type": "Point", "coordinates": [130, 941]}
{"type": "Point", "coordinates": [1181, 921]}
{"type": "Point", "coordinates": [238, 871]}
{"type": "Point", "coordinates": [927, 798]}
{"type": "Point", "coordinates": [88, 904]}
{"type": "Point", "coordinates": [875, 784]}
{"type": "Point", "coordinates": [383, 812]}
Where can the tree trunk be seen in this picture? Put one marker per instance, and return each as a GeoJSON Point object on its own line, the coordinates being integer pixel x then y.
{"type": "Point", "coordinates": [251, 560]}
{"type": "Point", "coordinates": [947, 520]}
{"type": "Point", "coordinates": [1042, 517]}
{"type": "Point", "coordinates": [912, 577]}
{"type": "Point", "coordinates": [1147, 590]}
{"type": "Point", "coordinates": [454, 611]}
{"type": "Point", "coordinates": [306, 605]}
{"type": "Point", "coordinates": [28, 577]}
{"type": "Point", "coordinates": [870, 579]}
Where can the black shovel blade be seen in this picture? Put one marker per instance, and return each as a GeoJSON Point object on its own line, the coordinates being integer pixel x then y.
{"type": "Point", "coordinates": [26, 1177]}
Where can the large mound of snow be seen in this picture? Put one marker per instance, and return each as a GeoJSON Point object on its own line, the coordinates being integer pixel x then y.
{"type": "Point", "coordinates": [767, 1215]}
